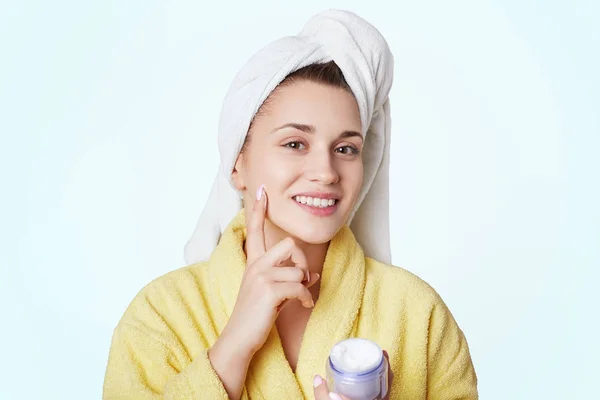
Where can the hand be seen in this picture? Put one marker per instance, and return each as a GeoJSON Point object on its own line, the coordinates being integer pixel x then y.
{"type": "Point", "coordinates": [322, 393]}
{"type": "Point", "coordinates": [266, 286]}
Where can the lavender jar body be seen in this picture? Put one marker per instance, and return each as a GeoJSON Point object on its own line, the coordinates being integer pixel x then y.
{"type": "Point", "coordinates": [357, 369]}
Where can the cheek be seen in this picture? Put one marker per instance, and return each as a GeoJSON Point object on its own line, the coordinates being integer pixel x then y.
{"type": "Point", "coordinates": [280, 170]}
{"type": "Point", "coordinates": [353, 175]}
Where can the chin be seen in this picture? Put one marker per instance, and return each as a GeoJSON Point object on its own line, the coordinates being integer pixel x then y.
{"type": "Point", "coordinates": [312, 232]}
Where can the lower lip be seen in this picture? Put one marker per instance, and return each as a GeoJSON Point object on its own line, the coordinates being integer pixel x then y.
{"type": "Point", "coordinates": [319, 211]}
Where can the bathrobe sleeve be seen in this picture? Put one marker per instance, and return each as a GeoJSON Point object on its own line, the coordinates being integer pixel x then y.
{"type": "Point", "coordinates": [451, 375]}
{"type": "Point", "coordinates": [141, 367]}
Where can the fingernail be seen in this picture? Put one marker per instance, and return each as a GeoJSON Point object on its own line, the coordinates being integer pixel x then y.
{"type": "Point", "coordinates": [334, 396]}
{"type": "Point", "coordinates": [259, 192]}
{"type": "Point", "coordinates": [318, 381]}
{"type": "Point", "coordinates": [318, 276]}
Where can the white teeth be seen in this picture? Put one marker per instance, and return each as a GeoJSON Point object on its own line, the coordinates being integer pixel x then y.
{"type": "Point", "coordinates": [315, 202]}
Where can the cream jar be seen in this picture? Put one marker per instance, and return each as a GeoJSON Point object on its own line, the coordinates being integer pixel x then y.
{"type": "Point", "coordinates": [357, 369]}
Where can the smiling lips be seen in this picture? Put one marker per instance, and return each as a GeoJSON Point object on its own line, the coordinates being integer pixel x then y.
{"type": "Point", "coordinates": [319, 206]}
{"type": "Point", "coordinates": [315, 201]}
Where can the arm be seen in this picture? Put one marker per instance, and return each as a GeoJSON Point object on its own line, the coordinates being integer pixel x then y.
{"type": "Point", "coordinates": [230, 364]}
{"type": "Point", "coordinates": [451, 375]}
{"type": "Point", "coordinates": [141, 366]}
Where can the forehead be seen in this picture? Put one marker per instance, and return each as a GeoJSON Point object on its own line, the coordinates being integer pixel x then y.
{"type": "Point", "coordinates": [312, 103]}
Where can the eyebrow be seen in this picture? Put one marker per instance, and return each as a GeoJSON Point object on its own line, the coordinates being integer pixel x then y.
{"type": "Point", "coordinates": [311, 129]}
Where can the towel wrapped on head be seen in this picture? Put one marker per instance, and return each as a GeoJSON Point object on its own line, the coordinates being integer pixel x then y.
{"type": "Point", "coordinates": [364, 58]}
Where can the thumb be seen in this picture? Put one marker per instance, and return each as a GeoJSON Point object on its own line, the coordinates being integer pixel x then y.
{"type": "Point", "coordinates": [322, 392]}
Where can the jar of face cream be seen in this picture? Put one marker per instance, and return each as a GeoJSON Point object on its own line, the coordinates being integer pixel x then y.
{"type": "Point", "coordinates": [357, 369]}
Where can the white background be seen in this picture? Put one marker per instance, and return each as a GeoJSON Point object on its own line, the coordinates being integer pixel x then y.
{"type": "Point", "coordinates": [109, 117]}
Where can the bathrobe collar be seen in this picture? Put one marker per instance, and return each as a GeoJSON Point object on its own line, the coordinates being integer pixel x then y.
{"type": "Point", "coordinates": [332, 320]}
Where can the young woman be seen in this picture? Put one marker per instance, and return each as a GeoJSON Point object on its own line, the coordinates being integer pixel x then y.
{"type": "Point", "coordinates": [288, 276]}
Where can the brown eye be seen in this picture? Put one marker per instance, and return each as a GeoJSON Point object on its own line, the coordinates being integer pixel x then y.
{"type": "Point", "coordinates": [349, 150]}
{"type": "Point", "coordinates": [294, 145]}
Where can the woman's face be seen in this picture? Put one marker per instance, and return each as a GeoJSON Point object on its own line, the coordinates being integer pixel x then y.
{"type": "Point", "coordinates": [307, 142]}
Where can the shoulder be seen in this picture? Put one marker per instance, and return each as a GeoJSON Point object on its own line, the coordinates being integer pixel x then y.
{"type": "Point", "coordinates": [177, 283]}
{"type": "Point", "coordinates": [407, 305]}
{"type": "Point", "coordinates": [167, 296]}
{"type": "Point", "coordinates": [400, 291]}
{"type": "Point", "coordinates": [396, 282]}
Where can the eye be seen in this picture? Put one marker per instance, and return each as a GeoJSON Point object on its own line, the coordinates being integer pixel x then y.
{"type": "Point", "coordinates": [295, 145]}
{"type": "Point", "coordinates": [349, 150]}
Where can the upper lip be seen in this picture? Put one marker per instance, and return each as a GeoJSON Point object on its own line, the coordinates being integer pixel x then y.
{"type": "Point", "coordinates": [319, 195]}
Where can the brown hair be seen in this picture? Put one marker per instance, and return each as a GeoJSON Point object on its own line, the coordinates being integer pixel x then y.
{"type": "Point", "coordinates": [325, 73]}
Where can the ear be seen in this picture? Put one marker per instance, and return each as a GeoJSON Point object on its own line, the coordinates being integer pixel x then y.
{"type": "Point", "coordinates": [237, 175]}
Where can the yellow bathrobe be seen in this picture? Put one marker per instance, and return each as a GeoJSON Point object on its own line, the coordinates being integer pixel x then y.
{"type": "Point", "coordinates": [159, 348]}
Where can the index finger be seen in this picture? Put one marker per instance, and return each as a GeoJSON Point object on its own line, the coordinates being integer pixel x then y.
{"type": "Point", "coordinates": [255, 238]}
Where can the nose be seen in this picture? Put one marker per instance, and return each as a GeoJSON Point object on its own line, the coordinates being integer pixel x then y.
{"type": "Point", "coordinates": [320, 168]}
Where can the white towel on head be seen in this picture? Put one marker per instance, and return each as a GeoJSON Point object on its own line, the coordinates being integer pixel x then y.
{"type": "Point", "coordinates": [364, 57]}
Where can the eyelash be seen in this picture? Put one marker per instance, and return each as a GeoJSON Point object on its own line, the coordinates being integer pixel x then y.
{"type": "Point", "coordinates": [353, 150]}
